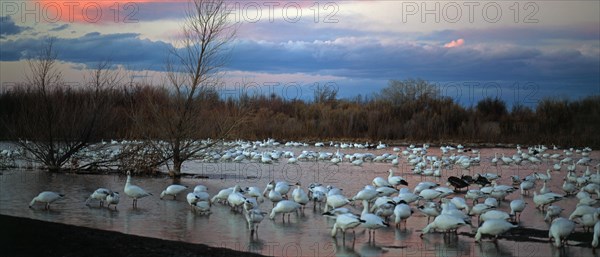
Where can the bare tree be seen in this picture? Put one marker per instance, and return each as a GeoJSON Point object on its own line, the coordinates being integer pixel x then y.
{"type": "Point", "coordinates": [325, 94]}
{"type": "Point", "coordinates": [399, 91]}
{"type": "Point", "coordinates": [193, 70]}
{"type": "Point", "coordinates": [54, 121]}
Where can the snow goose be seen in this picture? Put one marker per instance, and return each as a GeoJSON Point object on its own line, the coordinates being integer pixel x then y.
{"type": "Point", "coordinates": [560, 229]}
{"type": "Point", "coordinates": [283, 207]}
{"type": "Point", "coordinates": [299, 195]}
{"type": "Point", "coordinates": [402, 212]}
{"type": "Point", "coordinates": [192, 199]}
{"type": "Point", "coordinates": [493, 228]}
{"type": "Point", "coordinates": [444, 223]}
{"type": "Point", "coordinates": [134, 191]}
{"type": "Point", "coordinates": [367, 193]}
{"type": "Point", "coordinates": [596, 234]}
{"type": "Point", "coordinates": [254, 192]}
{"type": "Point", "coordinates": [582, 210]}
{"type": "Point", "coordinates": [200, 188]}
{"type": "Point", "coordinates": [344, 222]}
{"type": "Point", "coordinates": [552, 212]}
{"type": "Point", "coordinates": [381, 182]}
{"type": "Point", "coordinates": [569, 188]}
{"type": "Point", "coordinates": [112, 198]}
{"type": "Point", "coordinates": [542, 200]}
{"type": "Point", "coordinates": [372, 221]}
{"type": "Point", "coordinates": [396, 180]}
{"type": "Point", "coordinates": [173, 190]}
{"type": "Point", "coordinates": [430, 209]}
{"type": "Point", "coordinates": [221, 196]}
{"type": "Point", "coordinates": [494, 215]}
{"type": "Point", "coordinates": [236, 199]}
{"type": "Point", "coordinates": [335, 201]}
{"type": "Point", "coordinates": [526, 186]}
{"type": "Point", "coordinates": [46, 197]}
{"type": "Point", "coordinates": [100, 195]}
{"type": "Point", "coordinates": [516, 208]}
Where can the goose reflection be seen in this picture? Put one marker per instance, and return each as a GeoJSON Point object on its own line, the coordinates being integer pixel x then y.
{"type": "Point", "coordinates": [403, 234]}
{"type": "Point", "coordinates": [255, 245]}
{"type": "Point", "coordinates": [489, 249]}
{"type": "Point", "coordinates": [344, 249]}
{"type": "Point", "coordinates": [371, 249]}
{"type": "Point", "coordinates": [446, 244]}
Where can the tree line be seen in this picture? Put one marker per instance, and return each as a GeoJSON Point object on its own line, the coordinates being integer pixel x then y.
{"type": "Point", "coordinates": [405, 111]}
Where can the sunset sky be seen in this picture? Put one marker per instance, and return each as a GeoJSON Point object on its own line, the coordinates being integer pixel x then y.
{"type": "Point", "coordinates": [518, 51]}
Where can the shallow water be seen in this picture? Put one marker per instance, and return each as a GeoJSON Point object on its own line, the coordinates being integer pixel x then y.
{"type": "Point", "coordinates": [307, 234]}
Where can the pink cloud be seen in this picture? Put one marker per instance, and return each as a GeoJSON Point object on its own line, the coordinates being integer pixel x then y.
{"type": "Point", "coordinates": [455, 43]}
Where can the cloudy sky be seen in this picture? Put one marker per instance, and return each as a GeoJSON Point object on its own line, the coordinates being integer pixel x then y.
{"type": "Point", "coordinates": [515, 50]}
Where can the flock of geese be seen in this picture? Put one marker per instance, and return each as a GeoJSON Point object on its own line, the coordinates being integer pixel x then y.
{"type": "Point", "coordinates": [391, 200]}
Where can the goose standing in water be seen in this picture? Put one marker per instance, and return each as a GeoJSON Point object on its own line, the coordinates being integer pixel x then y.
{"type": "Point", "coordinates": [493, 227]}
{"type": "Point", "coordinates": [560, 229]}
{"type": "Point", "coordinates": [300, 196]}
{"type": "Point", "coordinates": [516, 208]}
{"type": "Point", "coordinates": [444, 223]}
{"type": "Point", "coordinates": [173, 190]}
{"type": "Point", "coordinates": [134, 191]}
{"type": "Point", "coordinates": [372, 221]}
{"type": "Point", "coordinates": [553, 211]}
{"type": "Point", "coordinates": [46, 197]}
{"type": "Point", "coordinates": [283, 207]}
{"type": "Point", "coordinates": [344, 222]}
{"type": "Point", "coordinates": [100, 194]}
{"type": "Point", "coordinates": [596, 234]}
{"type": "Point", "coordinates": [402, 212]}
{"type": "Point", "coordinates": [253, 216]}
{"type": "Point", "coordinates": [113, 198]}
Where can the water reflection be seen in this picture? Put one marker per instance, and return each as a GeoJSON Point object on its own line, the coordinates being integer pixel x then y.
{"type": "Point", "coordinates": [492, 249]}
{"type": "Point", "coordinates": [371, 249]}
{"type": "Point", "coordinates": [345, 247]}
{"type": "Point", "coordinates": [307, 233]}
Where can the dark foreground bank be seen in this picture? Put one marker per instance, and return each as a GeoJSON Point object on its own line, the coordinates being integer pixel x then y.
{"type": "Point", "coordinates": [28, 237]}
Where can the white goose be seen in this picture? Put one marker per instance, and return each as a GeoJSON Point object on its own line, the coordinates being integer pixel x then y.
{"type": "Point", "coordinates": [173, 190]}
{"type": "Point", "coordinates": [221, 196]}
{"type": "Point", "coordinates": [235, 198]}
{"type": "Point", "coordinates": [444, 223]}
{"type": "Point", "coordinates": [300, 196]}
{"type": "Point", "coordinates": [560, 229]}
{"type": "Point", "coordinates": [372, 221]}
{"type": "Point", "coordinates": [402, 212]}
{"type": "Point", "coordinates": [367, 193]}
{"type": "Point", "coordinates": [493, 228]}
{"type": "Point", "coordinates": [200, 188]}
{"type": "Point", "coordinates": [542, 200]}
{"type": "Point", "coordinates": [192, 199]}
{"type": "Point", "coordinates": [253, 216]}
{"type": "Point", "coordinates": [494, 215]}
{"type": "Point", "coordinates": [396, 180]}
{"type": "Point", "coordinates": [381, 182]}
{"type": "Point", "coordinates": [596, 234]}
{"type": "Point", "coordinates": [335, 201]}
{"type": "Point", "coordinates": [553, 211]}
{"type": "Point", "coordinates": [100, 195]}
{"type": "Point", "coordinates": [516, 208]}
{"type": "Point", "coordinates": [134, 191]}
{"type": "Point", "coordinates": [46, 197]}
{"type": "Point", "coordinates": [113, 198]}
{"type": "Point", "coordinates": [284, 206]}
{"type": "Point", "coordinates": [344, 222]}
